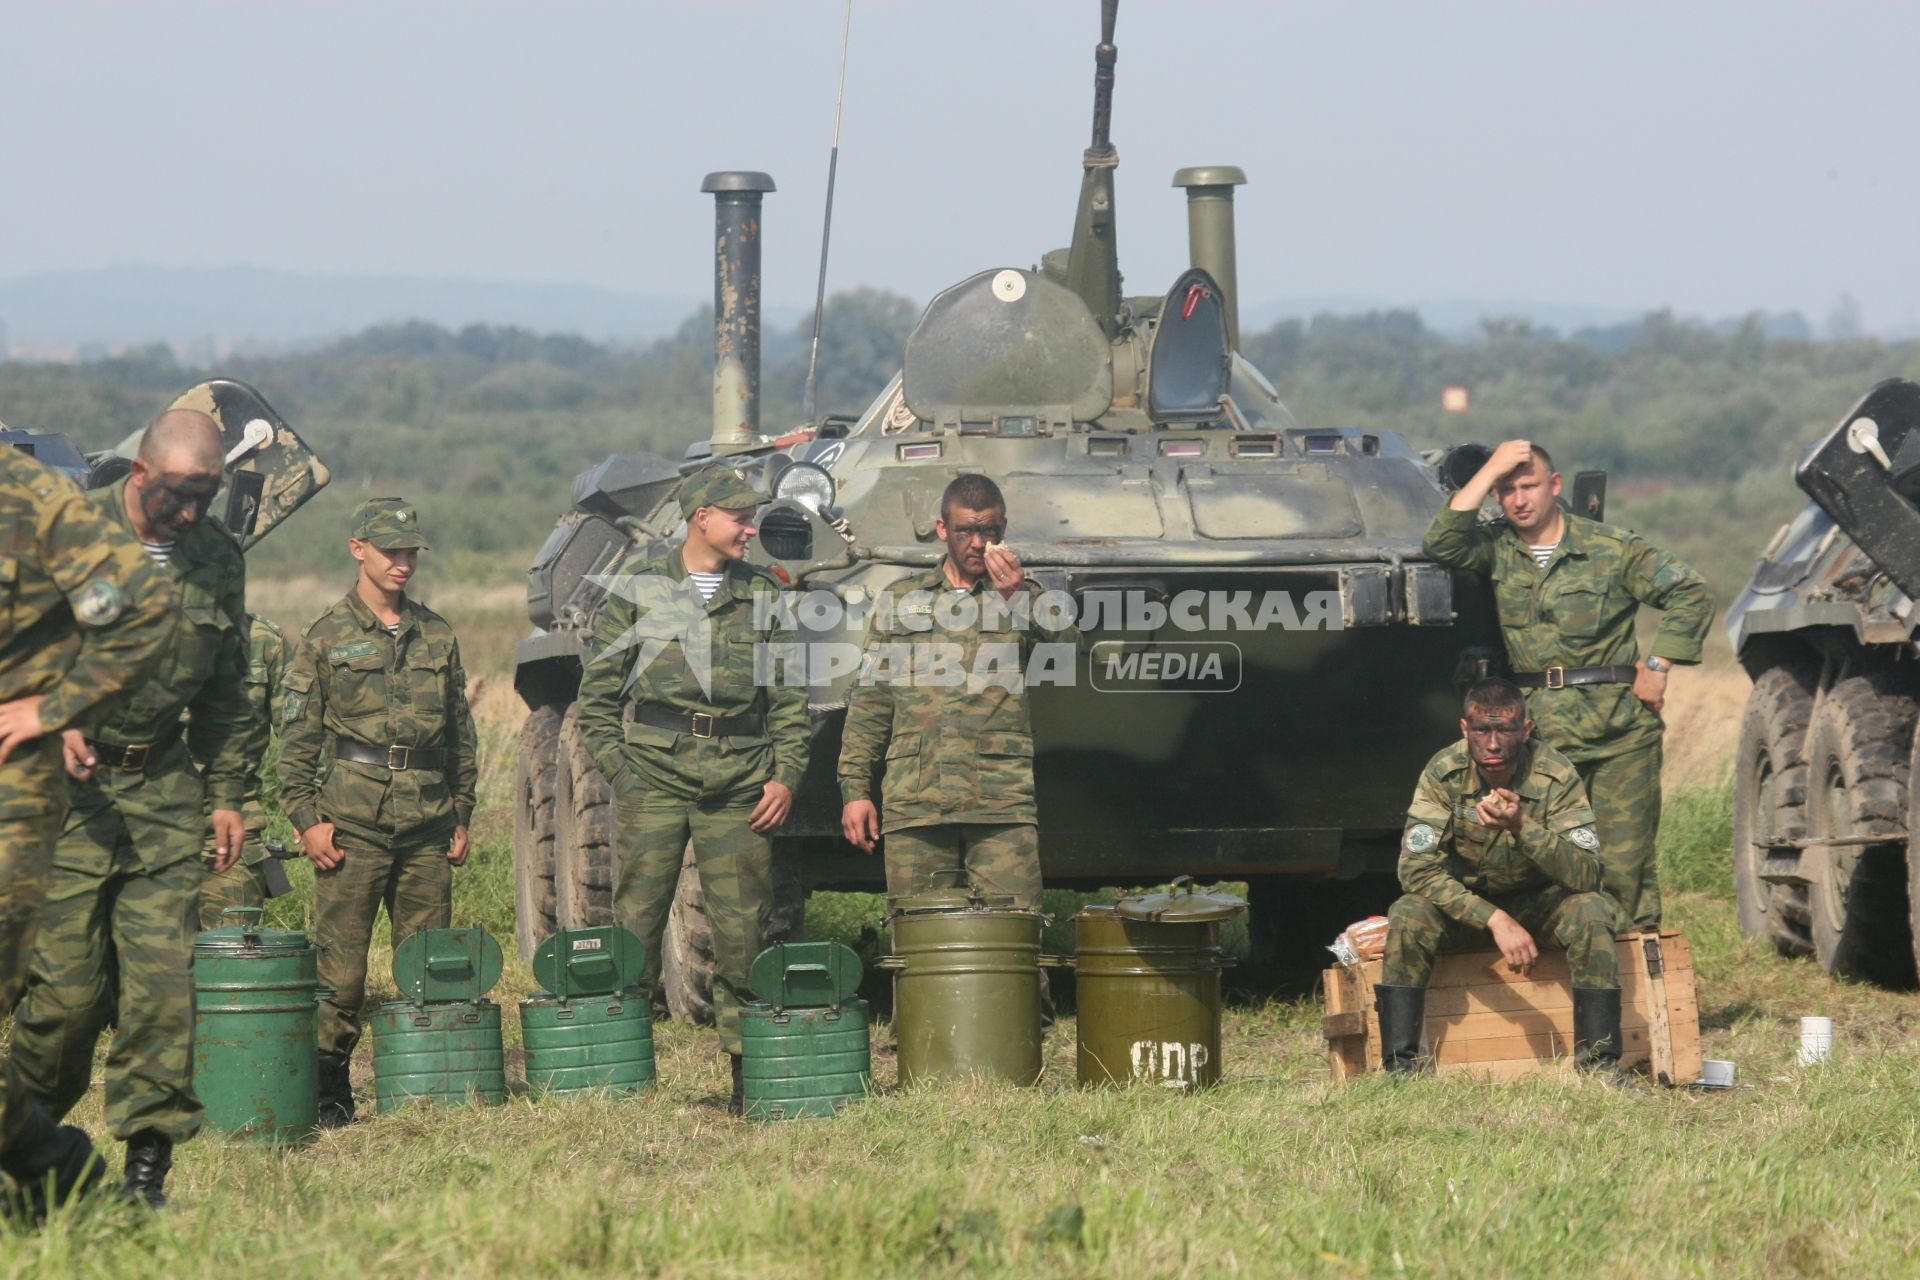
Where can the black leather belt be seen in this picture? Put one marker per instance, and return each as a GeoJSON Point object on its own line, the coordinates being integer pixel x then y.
{"type": "Point", "coordinates": [1567, 677]}
{"type": "Point", "coordinates": [132, 756]}
{"type": "Point", "coordinates": [395, 757]}
{"type": "Point", "coordinates": [700, 724]}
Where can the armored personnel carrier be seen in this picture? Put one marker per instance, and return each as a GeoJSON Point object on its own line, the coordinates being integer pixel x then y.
{"type": "Point", "coordinates": [1826, 628]}
{"type": "Point", "coordinates": [1269, 657]}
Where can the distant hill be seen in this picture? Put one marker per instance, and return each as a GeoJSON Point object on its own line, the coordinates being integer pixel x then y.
{"type": "Point", "coordinates": [209, 312]}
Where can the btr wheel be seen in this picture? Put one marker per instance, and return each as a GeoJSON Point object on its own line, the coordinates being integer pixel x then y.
{"type": "Point", "coordinates": [537, 792]}
{"type": "Point", "coordinates": [1769, 804]}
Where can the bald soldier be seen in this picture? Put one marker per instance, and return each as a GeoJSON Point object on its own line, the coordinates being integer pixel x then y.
{"type": "Point", "coordinates": [116, 929]}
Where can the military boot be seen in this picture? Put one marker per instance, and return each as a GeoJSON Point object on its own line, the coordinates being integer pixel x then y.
{"type": "Point", "coordinates": [1403, 1015]}
{"type": "Point", "coordinates": [1596, 1029]}
{"type": "Point", "coordinates": [50, 1164]}
{"type": "Point", "coordinates": [737, 1104]}
{"type": "Point", "coordinates": [149, 1158]}
{"type": "Point", "coordinates": [335, 1088]}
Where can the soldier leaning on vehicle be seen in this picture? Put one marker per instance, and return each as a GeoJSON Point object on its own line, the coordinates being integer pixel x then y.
{"type": "Point", "coordinates": [377, 772]}
{"type": "Point", "coordinates": [1567, 590]}
{"type": "Point", "coordinates": [115, 931]}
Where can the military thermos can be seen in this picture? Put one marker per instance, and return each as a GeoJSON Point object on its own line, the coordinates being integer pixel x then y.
{"type": "Point", "coordinates": [592, 1028]}
{"type": "Point", "coordinates": [966, 987]}
{"type": "Point", "coordinates": [1148, 985]}
{"type": "Point", "coordinates": [441, 1043]}
{"type": "Point", "coordinates": [805, 1047]}
{"type": "Point", "coordinates": [253, 1028]}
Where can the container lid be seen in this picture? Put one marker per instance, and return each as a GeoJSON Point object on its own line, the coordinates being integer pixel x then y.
{"type": "Point", "coordinates": [445, 965]}
{"type": "Point", "coordinates": [799, 975]}
{"type": "Point", "coordinates": [590, 962]}
{"type": "Point", "coordinates": [240, 930]}
{"type": "Point", "coordinates": [950, 900]}
{"type": "Point", "coordinates": [1181, 904]}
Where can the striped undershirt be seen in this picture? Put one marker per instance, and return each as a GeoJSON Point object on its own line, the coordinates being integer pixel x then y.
{"type": "Point", "coordinates": [1543, 552]}
{"type": "Point", "coordinates": [161, 552]}
{"type": "Point", "coordinates": [708, 583]}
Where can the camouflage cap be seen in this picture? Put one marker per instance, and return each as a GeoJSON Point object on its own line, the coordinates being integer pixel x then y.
{"type": "Point", "coordinates": [390, 524]}
{"type": "Point", "coordinates": [718, 485]}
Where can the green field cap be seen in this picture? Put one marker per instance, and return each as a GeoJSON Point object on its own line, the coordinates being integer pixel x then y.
{"type": "Point", "coordinates": [719, 486]}
{"type": "Point", "coordinates": [390, 524]}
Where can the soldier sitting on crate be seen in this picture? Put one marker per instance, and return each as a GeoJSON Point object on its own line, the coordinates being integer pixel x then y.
{"type": "Point", "coordinates": [1499, 839]}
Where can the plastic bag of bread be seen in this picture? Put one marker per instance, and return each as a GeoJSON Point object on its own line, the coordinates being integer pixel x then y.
{"type": "Point", "coordinates": [1361, 941]}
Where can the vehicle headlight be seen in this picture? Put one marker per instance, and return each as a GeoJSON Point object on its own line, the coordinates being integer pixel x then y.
{"type": "Point", "coordinates": [808, 484]}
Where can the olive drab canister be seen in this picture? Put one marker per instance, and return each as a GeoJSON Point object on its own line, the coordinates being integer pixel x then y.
{"type": "Point", "coordinates": [253, 1028]}
{"type": "Point", "coordinates": [592, 1026]}
{"type": "Point", "coordinates": [1148, 984]}
{"type": "Point", "coordinates": [805, 1044]}
{"type": "Point", "coordinates": [441, 1042]}
{"type": "Point", "coordinates": [966, 987]}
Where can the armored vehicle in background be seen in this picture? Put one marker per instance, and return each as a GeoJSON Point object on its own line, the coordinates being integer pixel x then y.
{"type": "Point", "coordinates": [1155, 479]}
{"type": "Point", "coordinates": [1826, 628]}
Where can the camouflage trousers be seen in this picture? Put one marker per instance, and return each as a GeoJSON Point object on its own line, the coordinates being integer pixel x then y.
{"type": "Point", "coordinates": [240, 885]}
{"type": "Point", "coordinates": [1625, 793]}
{"type": "Point", "coordinates": [651, 831]}
{"type": "Point", "coordinates": [114, 946]}
{"type": "Point", "coordinates": [1000, 859]}
{"type": "Point", "coordinates": [33, 800]}
{"type": "Point", "coordinates": [411, 877]}
{"type": "Point", "coordinates": [1582, 923]}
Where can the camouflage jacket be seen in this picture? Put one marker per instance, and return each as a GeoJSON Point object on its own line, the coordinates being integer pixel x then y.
{"type": "Point", "coordinates": [942, 700]}
{"type": "Point", "coordinates": [1448, 858]}
{"type": "Point", "coordinates": [205, 674]}
{"type": "Point", "coordinates": [659, 644]}
{"type": "Point", "coordinates": [1579, 612]}
{"type": "Point", "coordinates": [85, 616]}
{"type": "Point", "coordinates": [348, 678]}
{"type": "Point", "coordinates": [266, 676]}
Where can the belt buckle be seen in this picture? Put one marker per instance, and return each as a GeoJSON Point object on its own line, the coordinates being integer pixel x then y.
{"type": "Point", "coordinates": [399, 757]}
{"type": "Point", "coordinates": [698, 732]}
{"type": "Point", "coordinates": [1556, 677]}
{"type": "Point", "coordinates": [133, 758]}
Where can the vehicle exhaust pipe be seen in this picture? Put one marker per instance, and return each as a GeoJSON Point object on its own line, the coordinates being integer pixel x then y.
{"type": "Point", "coordinates": [736, 306]}
{"type": "Point", "coordinates": [1210, 232]}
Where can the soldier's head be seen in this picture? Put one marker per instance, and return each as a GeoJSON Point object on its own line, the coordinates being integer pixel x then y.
{"type": "Point", "coordinates": [175, 475]}
{"type": "Point", "coordinates": [1529, 494]}
{"type": "Point", "coordinates": [720, 506]}
{"type": "Point", "coordinates": [973, 512]}
{"type": "Point", "coordinates": [1494, 723]}
{"type": "Point", "coordinates": [386, 538]}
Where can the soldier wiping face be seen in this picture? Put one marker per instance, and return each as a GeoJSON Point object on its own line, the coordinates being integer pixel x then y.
{"type": "Point", "coordinates": [176, 475]}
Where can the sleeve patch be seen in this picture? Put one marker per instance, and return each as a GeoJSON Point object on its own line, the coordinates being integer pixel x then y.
{"type": "Point", "coordinates": [1422, 838]}
{"type": "Point", "coordinates": [98, 604]}
{"type": "Point", "coordinates": [1585, 838]}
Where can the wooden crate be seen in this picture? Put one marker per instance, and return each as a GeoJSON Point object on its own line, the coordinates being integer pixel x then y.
{"type": "Point", "coordinates": [1484, 1020]}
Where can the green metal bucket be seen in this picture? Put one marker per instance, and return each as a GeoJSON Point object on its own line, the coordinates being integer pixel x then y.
{"type": "Point", "coordinates": [437, 1053]}
{"type": "Point", "coordinates": [966, 987]}
{"type": "Point", "coordinates": [1149, 1000]}
{"type": "Point", "coordinates": [253, 1029]}
{"type": "Point", "coordinates": [588, 1042]}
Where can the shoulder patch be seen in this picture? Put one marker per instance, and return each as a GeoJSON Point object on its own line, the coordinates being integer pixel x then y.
{"type": "Point", "coordinates": [358, 649]}
{"type": "Point", "coordinates": [1585, 838]}
{"type": "Point", "coordinates": [1422, 838]}
{"type": "Point", "coordinates": [99, 603]}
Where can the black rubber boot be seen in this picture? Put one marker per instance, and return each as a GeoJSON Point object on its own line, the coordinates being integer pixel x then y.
{"type": "Point", "coordinates": [336, 1091]}
{"type": "Point", "coordinates": [1403, 1015]}
{"type": "Point", "coordinates": [737, 1104]}
{"type": "Point", "coordinates": [50, 1164]}
{"type": "Point", "coordinates": [1596, 1029]}
{"type": "Point", "coordinates": [149, 1158]}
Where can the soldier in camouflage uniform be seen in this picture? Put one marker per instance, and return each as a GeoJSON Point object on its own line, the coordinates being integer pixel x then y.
{"type": "Point", "coordinates": [116, 928]}
{"type": "Point", "coordinates": [1569, 630]}
{"type": "Point", "coordinates": [244, 884]}
{"type": "Point", "coordinates": [958, 793]}
{"type": "Point", "coordinates": [1500, 841]}
{"type": "Point", "coordinates": [684, 707]}
{"type": "Point", "coordinates": [377, 773]}
{"type": "Point", "coordinates": [84, 619]}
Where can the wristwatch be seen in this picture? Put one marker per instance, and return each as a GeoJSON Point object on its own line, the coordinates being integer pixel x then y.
{"type": "Point", "coordinates": [1659, 666]}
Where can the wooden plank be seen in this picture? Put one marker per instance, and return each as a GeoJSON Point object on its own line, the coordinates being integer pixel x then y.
{"type": "Point", "coordinates": [1338, 1026]}
{"type": "Point", "coordinates": [1652, 969]}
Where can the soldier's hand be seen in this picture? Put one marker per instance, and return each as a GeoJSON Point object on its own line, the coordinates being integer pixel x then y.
{"type": "Point", "coordinates": [457, 855]}
{"type": "Point", "coordinates": [1004, 569]}
{"type": "Point", "coordinates": [1515, 943]}
{"type": "Point", "coordinates": [19, 722]}
{"type": "Point", "coordinates": [317, 843]}
{"type": "Point", "coordinates": [1499, 810]}
{"type": "Point", "coordinates": [860, 824]}
{"type": "Point", "coordinates": [80, 757]}
{"type": "Point", "coordinates": [1650, 687]}
{"type": "Point", "coordinates": [1508, 456]}
{"type": "Point", "coordinates": [229, 838]}
{"type": "Point", "coordinates": [776, 802]}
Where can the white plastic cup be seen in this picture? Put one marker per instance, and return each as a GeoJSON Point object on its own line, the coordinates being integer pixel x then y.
{"type": "Point", "coordinates": [1816, 1040]}
{"type": "Point", "coordinates": [1716, 1073]}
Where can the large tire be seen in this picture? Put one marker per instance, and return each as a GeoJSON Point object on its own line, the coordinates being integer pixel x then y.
{"type": "Point", "coordinates": [686, 960]}
{"type": "Point", "coordinates": [536, 795]}
{"type": "Point", "coordinates": [583, 873]}
{"type": "Point", "coordinates": [1769, 802]}
{"type": "Point", "coordinates": [1913, 855]}
{"type": "Point", "coordinates": [1858, 752]}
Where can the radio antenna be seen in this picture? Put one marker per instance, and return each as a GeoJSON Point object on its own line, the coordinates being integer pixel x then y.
{"type": "Point", "coordinates": [808, 403]}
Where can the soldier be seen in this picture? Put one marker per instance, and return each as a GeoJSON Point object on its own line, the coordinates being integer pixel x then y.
{"type": "Point", "coordinates": [377, 773]}
{"type": "Point", "coordinates": [712, 750]}
{"type": "Point", "coordinates": [1500, 840]}
{"type": "Point", "coordinates": [958, 793]}
{"type": "Point", "coordinates": [244, 884]}
{"type": "Point", "coordinates": [1567, 589]}
{"type": "Point", "coordinates": [115, 930]}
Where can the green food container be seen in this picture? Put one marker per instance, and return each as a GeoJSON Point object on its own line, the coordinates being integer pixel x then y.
{"type": "Point", "coordinates": [592, 1028]}
{"type": "Point", "coordinates": [253, 1028]}
{"type": "Point", "coordinates": [966, 987]}
{"type": "Point", "coordinates": [806, 1047]}
{"type": "Point", "coordinates": [443, 1043]}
